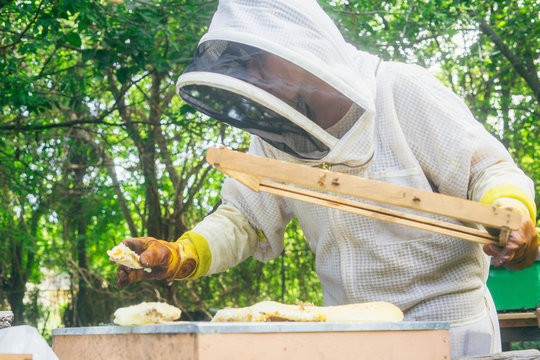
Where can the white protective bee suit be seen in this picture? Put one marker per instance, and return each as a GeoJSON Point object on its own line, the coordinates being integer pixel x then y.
{"type": "Point", "coordinates": [404, 127]}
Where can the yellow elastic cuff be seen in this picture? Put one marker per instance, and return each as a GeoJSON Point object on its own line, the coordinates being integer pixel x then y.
{"type": "Point", "coordinates": [187, 252]}
{"type": "Point", "coordinates": [510, 191]}
{"type": "Point", "coordinates": [203, 252]}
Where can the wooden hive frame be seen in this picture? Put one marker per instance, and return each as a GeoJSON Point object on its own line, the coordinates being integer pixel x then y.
{"type": "Point", "coordinates": [313, 185]}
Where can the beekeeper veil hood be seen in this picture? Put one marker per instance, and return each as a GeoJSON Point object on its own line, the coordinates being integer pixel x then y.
{"type": "Point", "coordinates": [281, 70]}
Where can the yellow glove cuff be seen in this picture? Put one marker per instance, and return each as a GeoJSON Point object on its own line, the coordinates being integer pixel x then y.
{"type": "Point", "coordinates": [187, 253]}
{"type": "Point", "coordinates": [197, 245]}
{"type": "Point", "coordinates": [510, 191]}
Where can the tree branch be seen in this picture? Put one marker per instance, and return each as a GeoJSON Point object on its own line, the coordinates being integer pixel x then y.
{"type": "Point", "coordinates": [64, 124]}
{"type": "Point", "coordinates": [25, 29]}
{"type": "Point", "coordinates": [530, 77]}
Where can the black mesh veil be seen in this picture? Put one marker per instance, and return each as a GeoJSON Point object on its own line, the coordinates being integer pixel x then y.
{"type": "Point", "coordinates": [243, 113]}
{"type": "Point", "coordinates": [251, 65]}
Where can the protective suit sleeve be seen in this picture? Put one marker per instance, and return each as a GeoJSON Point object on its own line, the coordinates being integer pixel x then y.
{"type": "Point", "coordinates": [223, 239]}
{"type": "Point", "coordinates": [504, 184]}
{"type": "Point", "coordinates": [267, 214]}
{"type": "Point", "coordinates": [453, 149]}
{"type": "Point", "coordinates": [246, 224]}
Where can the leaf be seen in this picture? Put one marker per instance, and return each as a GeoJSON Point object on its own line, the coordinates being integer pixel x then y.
{"type": "Point", "coordinates": [74, 39]}
{"type": "Point", "coordinates": [122, 74]}
{"type": "Point", "coordinates": [186, 109]}
{"type": "Point", "coordinates": [103, 56]}
{"type": "Point", "coordinates": [87, 55]}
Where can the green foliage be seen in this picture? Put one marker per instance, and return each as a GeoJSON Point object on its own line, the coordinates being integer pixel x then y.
{"type": "Point", "coordinates": [524, 345]}
{"type": "Point", "coordinates": [95, 146]}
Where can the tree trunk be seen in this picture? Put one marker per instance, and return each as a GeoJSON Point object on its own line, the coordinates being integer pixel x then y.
{"type": "Point", "coordinates": [22, 263]}
{"type": "Point", "coordinates": [76, 225]}
{"type": "Point", "coordinates": [148, 164]}
{"type": "Point", "coordinates": [16, 283]}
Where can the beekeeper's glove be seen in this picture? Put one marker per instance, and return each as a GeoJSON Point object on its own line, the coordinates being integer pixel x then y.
{"type": "Point", "coordinates": [167, 260]}
{"type": "Point", "coordinates": [521, 249]}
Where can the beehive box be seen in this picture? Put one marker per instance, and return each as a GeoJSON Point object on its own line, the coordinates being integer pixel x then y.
{"type": "Point", "coordinates": [283, 340]}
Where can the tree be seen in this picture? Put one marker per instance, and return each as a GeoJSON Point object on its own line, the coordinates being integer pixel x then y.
{"type": "Point", "coordinates": [100, 77]}
{"type": "Point", "coordinates": [19, 227]}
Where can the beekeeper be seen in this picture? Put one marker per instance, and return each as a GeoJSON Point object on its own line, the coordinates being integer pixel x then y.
{"type": "Point", "coordinates": [281, 70]}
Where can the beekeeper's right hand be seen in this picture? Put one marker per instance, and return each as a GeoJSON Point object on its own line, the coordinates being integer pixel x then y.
{"type": "Point", "coordinates": [521, 249]}
{"type": "Point", "coordinates": [167, 260]}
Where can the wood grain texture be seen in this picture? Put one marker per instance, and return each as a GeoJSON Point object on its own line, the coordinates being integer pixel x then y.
{"type": "Point", "coordinates": [253, 172]}
{"type": "Point", "coordinates": [15, 356]}
{"type": "Point", "coordinates": [387, 345]}
{"type": "Point", "coordinates": [367, 189]}
{"type": "Point", "coordinates": [125, 346]}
